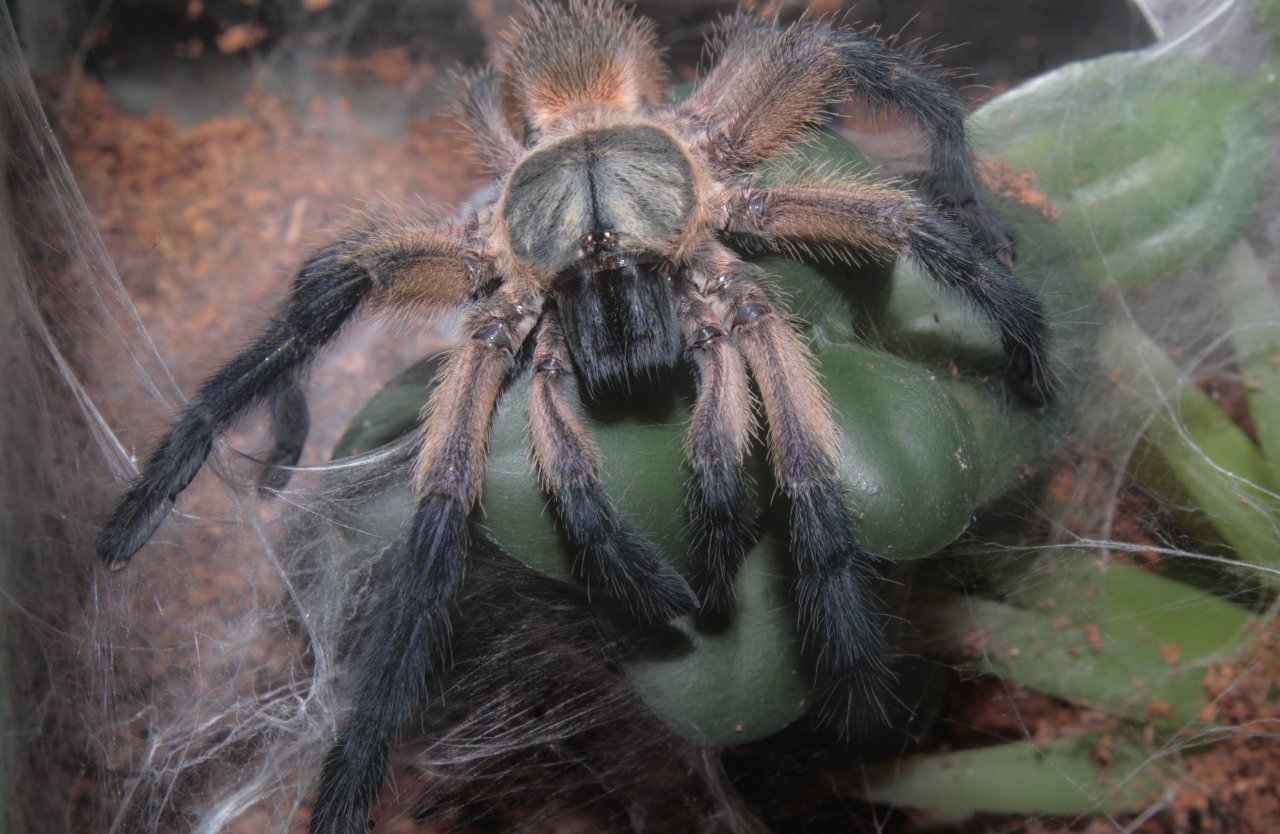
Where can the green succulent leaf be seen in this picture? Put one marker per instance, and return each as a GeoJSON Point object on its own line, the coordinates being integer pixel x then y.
{"type": "Point", "coordinates": [1123, 640]}
{"type": "Point", "coordinates": [1253, 312]}
{"type": "Point", "coordinates": [1155, 161]}
{"type": "Point", "coordinates": [1193, 457]}
{"type": "Point", "coordinates": [1128, 642]}
{"type": "Point", "coordinates": [1068, 776]}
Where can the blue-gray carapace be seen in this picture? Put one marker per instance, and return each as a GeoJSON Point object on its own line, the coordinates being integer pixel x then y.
{"type": "Point", "coordinates": [608, 252]}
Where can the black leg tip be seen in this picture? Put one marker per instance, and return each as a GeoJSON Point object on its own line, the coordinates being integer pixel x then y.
{"type": "Point", "coordinates": [839, 610]}
{"type": "Point", "coordinates": [856, 703]}
{"type": "Point", "coordinates": [629, 569]}
{"type": "Point", "coordinates": [673, 599]}
{"type": "Point", "coordinates": [130, 526]}
{"type": "Point", "coordinates": [844, 624]}
{"type": "Point", "coordinates": [715, 555]}
{"type": "Point", "coordinates": [349, 781]}
{"type": "Point", "coordinates": [714, 590]}
{"type": "Point", "coordinates": [1031, 380]}
{"type": "Point", "coordinates": [714, 562]}
{"type": "Point", "coordinates": [717, 532]}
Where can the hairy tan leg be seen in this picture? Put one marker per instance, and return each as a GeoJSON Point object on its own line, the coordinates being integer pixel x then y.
{"type": "Point", "coordinates": [419, 267]}
{"type": "Point", "coordinates": [456, 419]}
{"type": "Point", "coordinates": [771, 83]}
{"type": "Point", "coordinates": [379, 262]}
{"type": "Point", "coordinates": [841, 218]}
{"type": "Point", "coordinates": [719, 429]}
{"type": "Point", "coordinates": [611, 556]}
{"type": "Point", "coordinates": [409, 640]}
{"type": "Point", "coordinates": [835, 587]}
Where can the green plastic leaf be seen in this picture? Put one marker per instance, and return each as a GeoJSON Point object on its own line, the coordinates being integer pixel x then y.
{"type": "Point", "coordinates": [1123, 640]}
{"type": "Point", "coordinates": [1253, 311]}
{"type": "Point", "coordinates": [1269, 13]}
{"type": "Point", "coordinates": [1195, 459]}
{"type": "Point", "coordinates": [392, 413]}
{"type": "Point", "coordinates": [1069, 776]}
{"type": "Point", "coordinates": [1155, 161]}
{"type": "Point", "coordinates": [721, 686]}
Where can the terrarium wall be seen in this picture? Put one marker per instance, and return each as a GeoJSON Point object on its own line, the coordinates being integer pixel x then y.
{"type": "Point", "coordinates": [194, 153]}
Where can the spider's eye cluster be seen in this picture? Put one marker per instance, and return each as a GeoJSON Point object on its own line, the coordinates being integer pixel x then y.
{"type": "Point", "coordinates": [629, 186]}
{"type": "Point", "coordinates": [596, 242]}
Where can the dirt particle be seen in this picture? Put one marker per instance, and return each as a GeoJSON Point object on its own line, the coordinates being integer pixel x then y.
{"type": "Point", "coordinates": [240, 37]}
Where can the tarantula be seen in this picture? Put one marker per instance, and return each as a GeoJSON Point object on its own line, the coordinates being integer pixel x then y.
{"type": "Point", "coordinates": [607, 251]}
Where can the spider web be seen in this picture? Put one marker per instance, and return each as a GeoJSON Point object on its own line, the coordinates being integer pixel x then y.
{"type": "Point", "coordinates": [199, 689]}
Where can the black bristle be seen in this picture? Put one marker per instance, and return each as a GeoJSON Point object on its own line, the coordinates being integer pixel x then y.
{"type": "Point", "coordinates": [620, 326]}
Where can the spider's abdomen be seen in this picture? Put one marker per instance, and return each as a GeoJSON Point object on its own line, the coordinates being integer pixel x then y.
{"type": "Point", "coordinates": [631, 180]}
{"type": "Point", "coordinates": [620, 325]}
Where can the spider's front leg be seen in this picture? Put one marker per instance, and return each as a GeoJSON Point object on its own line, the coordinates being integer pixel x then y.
{"type": "Point", "coordinates": [856, 217]}
{"type": "Point", "coordinates": [719, 429]}
{"type": "Point", "coordinates": [411, 636]}
{"type": "Point", "coordinates": [381, 263]}
{"type": "Point", "coordinates": [612, 557]}
{"type": "Point", "coordinates": [835, 588]}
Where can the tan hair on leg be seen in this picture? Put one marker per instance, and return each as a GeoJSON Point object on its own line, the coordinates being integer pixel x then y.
{"type": "Point", "coordinates": [588, 54]}
{"type": "Point", "coordinates": [611, 556]}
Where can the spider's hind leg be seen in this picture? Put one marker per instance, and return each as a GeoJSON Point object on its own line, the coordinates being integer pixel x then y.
{"type": "Point", "coordinates": [380, 263]}
{"type": "Point", "coordinates": [903, 81]}
{"type": "Point", "coordinates": [612, 557]}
